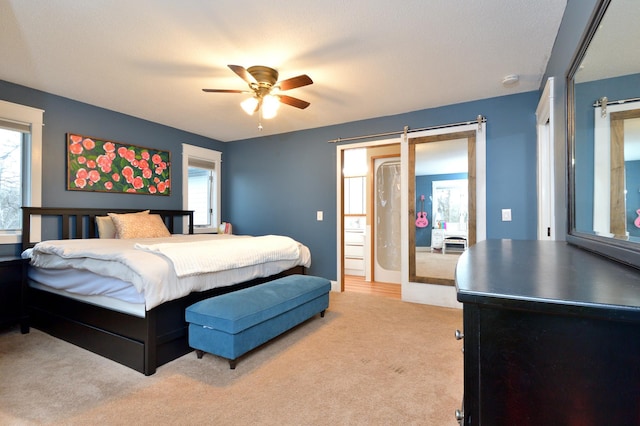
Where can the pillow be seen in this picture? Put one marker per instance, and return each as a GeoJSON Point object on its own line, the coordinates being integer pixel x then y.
{"type": "Point", "coordinates": [139, 226]}
{"type": "Point", "coordinates": [106, 229]}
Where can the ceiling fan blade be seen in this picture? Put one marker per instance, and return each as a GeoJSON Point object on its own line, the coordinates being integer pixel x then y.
{"type": "Point", "coordinates": [294, 102]}
{"type": "Point", "coordinates": [225, 91]}
{"type": "Point", "coordinates": [294, 82]}
{"type": "Point", "coordinates": [243, 73]}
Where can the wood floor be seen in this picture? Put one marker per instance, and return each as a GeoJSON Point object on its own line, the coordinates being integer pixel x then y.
{"type": "Point", "coordinates": [358, 284]}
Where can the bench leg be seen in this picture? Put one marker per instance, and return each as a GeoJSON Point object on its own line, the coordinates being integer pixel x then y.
{"type": "Point", "coordinates": [232, 364]}
{"type": "Point", "coordinates": [322, 314]}
{"type": "Point", "coordinates": [199, 353]}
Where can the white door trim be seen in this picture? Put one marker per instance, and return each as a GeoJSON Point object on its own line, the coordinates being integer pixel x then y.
{"type": "Point", "coordinates": [545, 169]}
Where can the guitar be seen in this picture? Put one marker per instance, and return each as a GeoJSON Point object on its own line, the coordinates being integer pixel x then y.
{"type": "Point", "coordinates": [422, 220]}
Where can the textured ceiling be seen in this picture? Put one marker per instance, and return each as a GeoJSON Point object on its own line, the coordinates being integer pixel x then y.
{"type": "Point", "coordinates": [151, 58]}
{"type": "Point", "coordinates": [614, 50]}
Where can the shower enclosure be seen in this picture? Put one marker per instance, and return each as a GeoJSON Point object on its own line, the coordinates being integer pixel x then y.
{"type": "Point", "coordinates": [387, 215]}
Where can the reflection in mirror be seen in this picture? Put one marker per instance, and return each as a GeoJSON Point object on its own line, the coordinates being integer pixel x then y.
{"type": "Point", "coordinates": [450, 201]}
{"type": "Point", "coordinates": [604, 114]}
{"type": "Point", "coordinates": [631, 132]}
{"type": "Point", "coordinates": [442, 192]}
{"type": "Point", "coordinates": [615, 155]}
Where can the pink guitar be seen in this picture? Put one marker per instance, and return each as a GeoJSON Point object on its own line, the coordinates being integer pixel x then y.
{"type": "Point", "coordinates": [637, 221]}
{"type": "Point", "coordinates": [422, 220]}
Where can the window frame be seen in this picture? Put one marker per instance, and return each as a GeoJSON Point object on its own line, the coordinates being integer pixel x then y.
{"type": "Point", "coordinates": [210, 156]}
{"type": "Point", "coordinates": [32, 117]}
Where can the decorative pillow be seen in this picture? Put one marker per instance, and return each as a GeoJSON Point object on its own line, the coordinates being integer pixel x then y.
{"type": "Point", "coordinates": [106, 229]}
{"type": "Point", "coordinates": [139, 226]}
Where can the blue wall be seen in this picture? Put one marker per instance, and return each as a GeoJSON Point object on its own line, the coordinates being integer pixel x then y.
{"type": "Point", "coordinates": [424, 186]}
{"type": "Point", "coordinates": [63, 115]}
{"type": "Point", "coordinates": [275, 184]}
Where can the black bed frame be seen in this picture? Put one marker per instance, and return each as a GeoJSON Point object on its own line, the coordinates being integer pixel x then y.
{"type": "Point", "coordinates": [139, 343]}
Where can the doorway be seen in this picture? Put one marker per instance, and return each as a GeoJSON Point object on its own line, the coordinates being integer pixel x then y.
{"type": "Point", "coordinates": [415, 291]}
{"type": "Point", "coordinates": [369, 210]}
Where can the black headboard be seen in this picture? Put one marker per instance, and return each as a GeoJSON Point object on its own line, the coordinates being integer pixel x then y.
{"type": "Point", "coordinates": [77, 223]}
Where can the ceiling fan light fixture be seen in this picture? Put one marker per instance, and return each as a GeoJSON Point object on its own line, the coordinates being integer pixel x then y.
{"type": "Point", "coordinates": [249, 105]}
{"type": "Point", "coordinates": [270, 105]}
{"type": "Point", "coordinates": [262, 80]}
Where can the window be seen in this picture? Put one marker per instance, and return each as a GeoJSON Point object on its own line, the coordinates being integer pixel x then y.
{"type": "Point", "coordinates": [11, 142]}
{"type": "Point", "coordinates": [450, 204]}
{"type": "Point", "coordinates": [20, 168]}
{"type": "Point", "coordinates": [201, 187]}
{"type": "Point", "coordinates": [354, 195]}
{"type": "Point", "coordinates": [201, 192]}
{"type": "Point", "coordinates": [355, 181]}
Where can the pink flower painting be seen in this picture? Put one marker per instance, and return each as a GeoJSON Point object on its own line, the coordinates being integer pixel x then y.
{"type": "Point", "coordinates": [99, 165]}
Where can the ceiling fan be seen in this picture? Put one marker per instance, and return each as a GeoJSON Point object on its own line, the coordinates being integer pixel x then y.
{"type": "Point", "coordinates": [262, 82]}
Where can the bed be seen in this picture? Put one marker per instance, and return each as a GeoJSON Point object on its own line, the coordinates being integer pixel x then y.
{"type": "Point", "coordinates": [142, 338]}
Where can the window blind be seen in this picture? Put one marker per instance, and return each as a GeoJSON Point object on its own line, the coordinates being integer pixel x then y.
{"type": "Point", "coordinates": [15, 125]}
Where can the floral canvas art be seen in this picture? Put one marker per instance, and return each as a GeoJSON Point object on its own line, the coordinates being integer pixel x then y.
{"type": "Point", "coordinates": [100, 165]}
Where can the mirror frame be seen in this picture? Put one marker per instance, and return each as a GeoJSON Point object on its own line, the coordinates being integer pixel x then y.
{"type": "Point", "coordinates": [471, 136]}
{"type": "Point", "coordinates": [615, 249]}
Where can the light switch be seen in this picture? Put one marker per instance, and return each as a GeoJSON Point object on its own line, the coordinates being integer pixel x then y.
{"type": "Point", "coordinates": [319, 215]}
{"type": "Point", "coordinates": [506, 215]}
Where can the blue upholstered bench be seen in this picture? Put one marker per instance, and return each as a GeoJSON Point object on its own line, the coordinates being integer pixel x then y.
{"type": "Point", "coordinates": [232, 324]}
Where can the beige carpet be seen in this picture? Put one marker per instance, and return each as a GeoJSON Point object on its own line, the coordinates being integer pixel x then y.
{"type": "Point", "coordinates": [436, 264]}
{"type": "Point", "coordinates": [371, 360]}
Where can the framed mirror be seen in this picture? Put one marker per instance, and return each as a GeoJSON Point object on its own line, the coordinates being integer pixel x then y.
{"type": "Point", "coordinates": [442, 204]}
{"type": "Point", "coordinates": [603, 132]}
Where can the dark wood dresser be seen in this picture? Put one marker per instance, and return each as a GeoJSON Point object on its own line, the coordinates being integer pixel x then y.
{"type": "Point", "coordinates": [551, 336]}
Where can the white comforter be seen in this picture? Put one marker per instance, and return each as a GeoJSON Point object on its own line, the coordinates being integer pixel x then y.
{"type": "Point", "coordinates": [164, 269]}
{"type": "Point", "coordinates": [200, 257]}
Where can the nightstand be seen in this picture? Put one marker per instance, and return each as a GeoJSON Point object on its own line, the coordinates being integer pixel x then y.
{"type": "Point", "coordinates": [13, 292]}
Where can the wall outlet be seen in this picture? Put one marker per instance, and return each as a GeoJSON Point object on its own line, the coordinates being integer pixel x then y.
{"type": "Point", "coordinates": [319, 215]}
{"type": "Point", "coordinates": [506, 215]}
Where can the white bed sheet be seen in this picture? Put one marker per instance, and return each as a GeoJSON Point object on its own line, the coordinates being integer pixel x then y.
{"type": "Point", "coordinates": [111, 303]}
{"type": "Point", "coordinates": [86, 283]}
{"type": "Point", "coordinates": [164, 276]}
